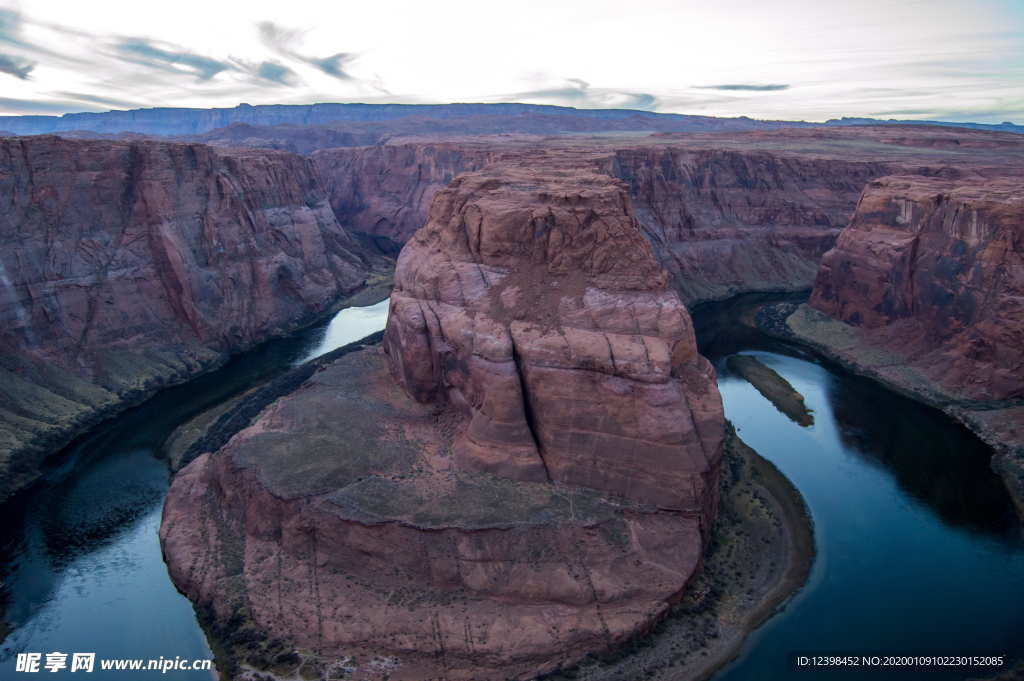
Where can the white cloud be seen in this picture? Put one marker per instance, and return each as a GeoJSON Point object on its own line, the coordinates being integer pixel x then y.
{"type": "Point", "coordinates": [795, 59]}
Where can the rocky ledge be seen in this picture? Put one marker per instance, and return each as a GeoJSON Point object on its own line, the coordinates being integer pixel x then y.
{"type": "Point", "coordinates": [526, 473]}
{"type": "Point", "coordinates": [924, 291]}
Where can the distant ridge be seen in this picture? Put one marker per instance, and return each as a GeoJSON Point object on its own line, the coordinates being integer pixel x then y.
{"type": "Point", "coordinates": [1005, 126]}
{"type": "Point", "coordinates": [183, 121]}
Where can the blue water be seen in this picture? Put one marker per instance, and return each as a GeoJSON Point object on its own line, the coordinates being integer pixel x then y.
{"type": "Point", "coordinates": [82, 569]}
{"type": "Point", "coordinates": [918, 551]}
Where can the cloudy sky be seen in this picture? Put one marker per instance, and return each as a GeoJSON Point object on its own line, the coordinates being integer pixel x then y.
{"type": "Point", "coordinates": [789, 59]}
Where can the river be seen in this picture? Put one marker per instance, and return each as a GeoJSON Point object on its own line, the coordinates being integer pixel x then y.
{"type": "Point", "coordinates": [918, 548]}
{"type": "Point", "coordinates": [81, 564]}
{"type": "Point", "coordinates": [919, 551]}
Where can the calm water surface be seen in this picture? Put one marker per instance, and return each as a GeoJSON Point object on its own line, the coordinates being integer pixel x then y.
{"type": "Point", "coordinates": [918, 548]}
{"type": "Point", "coordinates": [82, 568]}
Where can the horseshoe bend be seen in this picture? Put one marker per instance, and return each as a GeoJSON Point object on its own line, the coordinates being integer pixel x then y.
{"type": "Point", "coordinates": [526, 471]}
{"type": "Point", "coordinates": [530, 466]}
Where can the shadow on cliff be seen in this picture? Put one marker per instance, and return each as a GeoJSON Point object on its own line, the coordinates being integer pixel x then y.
{"type": "Point", "coordinates": [934, 460]}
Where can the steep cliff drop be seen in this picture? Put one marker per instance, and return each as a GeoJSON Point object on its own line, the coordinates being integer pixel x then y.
{"type": "Point", "coordinates": [385, 191]}
{"type": "Point", "coordinates": [924, 290]}
{"type": "Point", "coordinates": [525, 473]}
{"type": "Point", "coordinates": [132, 266]}
{"type": "Point", "coordinates": [727, 221]}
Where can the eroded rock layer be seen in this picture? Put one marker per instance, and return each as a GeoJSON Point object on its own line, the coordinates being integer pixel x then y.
{"type": "Point", "coordinates": [385, 191]}
{"type": "Point", "coordinates": [128, 266]}
{"type": "Point", "coordinates": [531, 301]}
{"type": "Point", "coordinates": [925, 291]}
{"type": "Point", "coordinates": [934, 269]}
{"type": "Point", "coordinates": [724, 213]}
{"type": "Point", "coordinates": [726, 221]}
{"type": "Point", "coordinates": [525, 473]}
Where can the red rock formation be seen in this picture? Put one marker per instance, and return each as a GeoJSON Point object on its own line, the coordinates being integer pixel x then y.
{"type": "Point", "coordinates": [725, 222]}
{"type": "Point", "coordinates": [924, 291]}
{"type": "Point", "coordinates": [128, 266]}
{"type": "Point", "coordinates": [535, 486]}
{"type": "Point", "coordinates": [532, 301]}
{"type": "Point", "coordinates": [386, 191]}
{"type": "Point", "coordinates": [934, 270]}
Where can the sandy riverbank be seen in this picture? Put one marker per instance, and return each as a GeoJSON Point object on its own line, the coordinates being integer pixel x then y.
{"type": "Point", "coordinates": [775, 388]}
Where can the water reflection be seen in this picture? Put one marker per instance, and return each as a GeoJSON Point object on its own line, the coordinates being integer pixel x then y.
{"type": "Point", "coordinates": [348, 326]}
{"type": "Point", "coordinates": [932, 459]}
{"type": "Point", "coordinates": [918, 548]}
{"type": "Point", "coordinates": [80, 561]}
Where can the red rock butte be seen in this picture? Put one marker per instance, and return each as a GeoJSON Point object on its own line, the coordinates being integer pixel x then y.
{"type": "Point", "coordinates": [533, 480]}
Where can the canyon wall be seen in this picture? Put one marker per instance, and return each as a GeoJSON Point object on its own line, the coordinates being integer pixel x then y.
{"type": "Point", "coordinates": [724, 221]}
{"type": "Point", "coordinates": [934, 269]}
{"type": "Point", "coordinates": [526, 472]}
{"type": "Point", "coordinates": [924, 291]}
{"type": "Point", "coordinates": [385, 191]}
{"type": "Point", "coordinates": [721, 221]}
{"type": "Point", "coordinates": [130, 266]}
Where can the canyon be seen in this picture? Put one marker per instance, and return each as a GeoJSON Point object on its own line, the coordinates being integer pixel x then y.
{"type": "Point", "coordinates": [924, 290]}
{"type": "Point", "coordinates": [129, 267]}
{"type": "Point", "coordinates": [526, 468]}
{"type": "Point", "coordinates": [540, 428]}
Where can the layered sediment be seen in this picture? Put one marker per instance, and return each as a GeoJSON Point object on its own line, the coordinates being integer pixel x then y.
{"type": "Point", "coordinates": [720, 221]}
{"type": "Point", "coordinates": [924, 290]}
{"type": "Point", "coordinates": [531, 300]}
{"type": "Point", "coordinates": [725, 214]}
{"type": "Point", "coordinates": [385, 191]}
{"type": "Point", "coordinates": [132, 266]}
{"type": "Point", "coordinates": [726, 221]}
{"type": "Point", "coordinates": [527, 473]}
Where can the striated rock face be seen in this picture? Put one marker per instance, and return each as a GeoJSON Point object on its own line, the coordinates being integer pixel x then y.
{"type": "Point", "coordinates": [386, 191]}
{"type": "Point", "coordinates": [128, 266]}
{"type": "Point", "coordinates": [536, 485]}
{"type": "Point", "coordinates": [724, 221]}
{"type": "Point", "coordinates": [532, 302]}
{"type": "Point", "coordinates": [934, 270]}
{"type": "Point", "coordinates": [721, 221]}
{"type": "Point", "coordinates": [924, 292]}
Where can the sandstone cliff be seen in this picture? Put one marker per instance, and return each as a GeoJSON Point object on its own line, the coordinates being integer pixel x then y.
{"type": "Point", "coordinates": [385, 191]}
{"type": "Point", "coordinates": [531, 300]}
{"type": "Point", "coordinates": [924, 290]}
{"type": "Point", "coordinates": [129, 266]}
{"type": "Point", "coordinates": [934, 269]}
{"type": "Point", "coordinates": [724, 221]}
{"type": "Point", "coordinates": [529, 474]}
